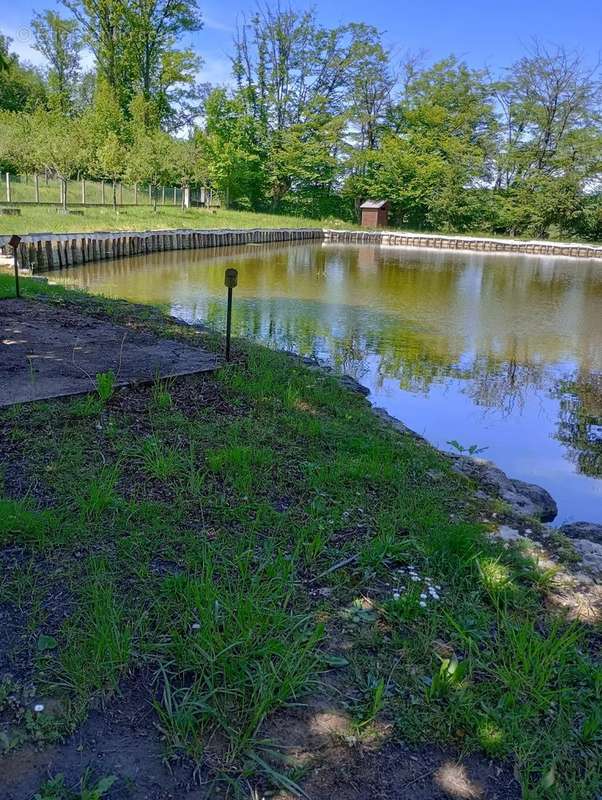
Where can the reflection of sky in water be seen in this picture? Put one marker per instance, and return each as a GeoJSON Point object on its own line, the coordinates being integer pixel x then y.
{"type": "Point", "coordinates": [468, 347]}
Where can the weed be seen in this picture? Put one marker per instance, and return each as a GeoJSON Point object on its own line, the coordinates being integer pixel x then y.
{"type": "Point", "coordinates": [450, 675]}
{"type": "Point", "coordinates": [98, 640]}
{"type": "Point", "coordinates": [100, 494]}
{"type": "Point", "coordinates": [105, 385]}
{"type": "Point", "coordinates": [471, 450]}
{"type": "Point", "coordinates": [161, 395]}
{"type": "Point", "coordinates": [55, 789]}
{"type": "Point", "coordinates": [159, 461]}
{"type": "Point", "coordinates": [376, 704]}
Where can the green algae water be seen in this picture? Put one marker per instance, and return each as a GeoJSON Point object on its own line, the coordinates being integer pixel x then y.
{"type": "Point", "coordinates": [493, 351]}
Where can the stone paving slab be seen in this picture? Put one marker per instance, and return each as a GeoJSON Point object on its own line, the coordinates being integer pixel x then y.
{"type": "Point", "coordinates": [48, 351]}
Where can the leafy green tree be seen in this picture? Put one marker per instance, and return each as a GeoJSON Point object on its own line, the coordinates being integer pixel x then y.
{"type": "Point", "coordinates": [59, 41]}
{"type": "Point", "coordinates": [134, 43]}
{"type": "Point", "coordinates": [371, 81]}
{"type": "Point", "coordinates": [549, 141]}
{"type": "Point", "coordinates": [111, 161]}
{"type": "Point", "coordinates": [231, 147]}
{"type": "Point", "coordinates": [56, 146]}
{"type": "Point", "coordinates": [189, 165]}
{"type": "Point", "coordinates": [16, 151]}
{"type": "Point", "coordinates": [150, 161]}
{"type": "Point", "coordinates": [22, 88]}
{"type": "Point", "coordinates": [437, 150]}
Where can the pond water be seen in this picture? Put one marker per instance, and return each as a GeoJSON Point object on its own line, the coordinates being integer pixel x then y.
{"type": "Point", "coordinates": [493, 351]}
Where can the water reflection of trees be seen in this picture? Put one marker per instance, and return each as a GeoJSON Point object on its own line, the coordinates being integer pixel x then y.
{"type": "Point", "coordinates": [580, 421]}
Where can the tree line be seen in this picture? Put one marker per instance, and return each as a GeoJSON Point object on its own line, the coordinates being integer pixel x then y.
{"type": "Point", "coordinates": [315, 120]}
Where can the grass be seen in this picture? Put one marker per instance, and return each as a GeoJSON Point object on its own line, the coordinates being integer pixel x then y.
{"type": "Point", "coordinates": [193, 525]}
{"type": "Point", "coordinates": [35, 219]}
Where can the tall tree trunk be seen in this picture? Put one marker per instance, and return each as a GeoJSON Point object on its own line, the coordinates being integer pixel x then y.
{"type": "Point", "coordinates": [115, 196]}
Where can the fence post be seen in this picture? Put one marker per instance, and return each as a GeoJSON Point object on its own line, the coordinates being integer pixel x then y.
{"type": "Point", "coordinates": [150, 194]}
{"type": "Point", "coordinates": [83, 191]}
{"type": "Point", "coordinates": [163, 195]}
{"type": "Point", "coordinates": [102, 193]}
{"type": "Point", "coordinates": [136, 194]}
{"type": "Point", "coordinates": [8, 187]}
{"type": "Point", "coordinates": [36, 180]}
{"type": "Point", "coordinates": [175, 196]}
{"type": "Point", "coordinates": [120, 193]}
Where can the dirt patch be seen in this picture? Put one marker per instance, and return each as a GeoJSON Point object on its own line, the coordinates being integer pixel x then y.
{"type": "Point", "coordinates": [122, 741]}
{"type": "Point", "coordinates": [50, 351]}
{"type": "Point", "coordinates": [320, 739]}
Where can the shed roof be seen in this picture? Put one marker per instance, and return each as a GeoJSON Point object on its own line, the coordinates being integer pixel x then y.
{"type": "Point", "coordinates": [375, 204]}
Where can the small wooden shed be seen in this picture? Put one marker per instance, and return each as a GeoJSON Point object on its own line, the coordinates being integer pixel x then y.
{"type": "Point", "coordinates": [375, 213]}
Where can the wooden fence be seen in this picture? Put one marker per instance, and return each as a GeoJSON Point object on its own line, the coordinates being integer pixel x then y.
{"type": "Point", "coordinates": [48, 190]}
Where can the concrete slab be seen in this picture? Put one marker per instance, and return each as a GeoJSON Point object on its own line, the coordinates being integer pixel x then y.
{"type": "Point", "coordinates": [48, 351]}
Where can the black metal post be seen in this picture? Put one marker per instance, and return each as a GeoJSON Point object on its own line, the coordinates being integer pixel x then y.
{"type": "Point", "coordinates": [230, 281]}
{"type": "Point", "coordinates": [16, 258]}
{"type": "Point", "coordinates": [14, 242]}
{"type": "Point", "coordinates": [228, 323]}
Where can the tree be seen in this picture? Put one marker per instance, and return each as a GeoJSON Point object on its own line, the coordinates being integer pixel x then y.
{"type": "Point", "coordinates": [56, 146]}
{"type": "Point", "coordinates": [134, 45]}
{"type": "Point", "coordinates": [16, 152]}
{"type": "Point", "coordinates": [150, 161]}
{"type": "Point", "coordinates": [370, 81]}
{"type": "Point", "coordinates": [548, 96]}
{"type": "Point", "coordinates": [111, 161]}
{"type": "Point", "coordinates": [436, 151]}
{"type": "Point", "coordinates": [21, 87]}
{"type": "Point", "coordinates": [189, 165]}
{"type": "Point", "coordinates": [232, 148]}
{"type": "Point", "coordinates": [59, 41]}
{"type": "Point", "coordinates": [549, 139]}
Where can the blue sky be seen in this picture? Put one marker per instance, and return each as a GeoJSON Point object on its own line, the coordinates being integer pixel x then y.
{"type": "Point", "coordinates": [484, 33]}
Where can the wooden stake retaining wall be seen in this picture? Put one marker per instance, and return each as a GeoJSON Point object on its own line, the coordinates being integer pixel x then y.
{"type": "Point", "coordinates": [41, 252]}
{"type": "Point", "coordinates": [576, 250]}
{"type": "Point", "coordinates": [44, 251]}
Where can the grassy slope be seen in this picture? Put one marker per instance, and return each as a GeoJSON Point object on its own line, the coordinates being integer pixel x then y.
{"type": "Point", "coordinates": [185, 522]}
{"type": "Point", "coordinates": [38, 219]}
{"type": "Point", "coordinates": [35, 219]}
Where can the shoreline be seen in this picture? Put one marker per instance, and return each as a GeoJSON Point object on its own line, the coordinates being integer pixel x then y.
{"type": "Point", "coordinates": [530, 510]}
{"type": "Point", "coordinates": [45, 251]}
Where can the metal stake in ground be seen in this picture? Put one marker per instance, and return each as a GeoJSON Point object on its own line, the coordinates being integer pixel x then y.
{"type": "Point", "coordinates": [14, 242]}
{"type": "Point", "coordinates": [230, 281]}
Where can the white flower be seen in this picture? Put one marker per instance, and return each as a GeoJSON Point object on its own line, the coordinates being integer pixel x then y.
{"type": "Point", "coordinates": [422, 604]}
{"type": "Point", "coordinates": [38, 708]}
{"type": "Point", "coordinates": [396, 595]}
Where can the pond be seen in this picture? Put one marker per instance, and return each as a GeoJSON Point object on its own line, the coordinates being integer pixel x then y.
{"type": "Point", "coordinates": [494, 352]}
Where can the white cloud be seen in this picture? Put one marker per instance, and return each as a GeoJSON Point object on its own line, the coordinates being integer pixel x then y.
{"type": "Point", "coordinates": [213, 24]}
{"type": "Point", "coordinates": [216, 69]}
